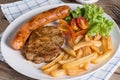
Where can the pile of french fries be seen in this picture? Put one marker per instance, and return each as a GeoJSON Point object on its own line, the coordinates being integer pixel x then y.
{"type": "Point", "coordinates": [76, 57]}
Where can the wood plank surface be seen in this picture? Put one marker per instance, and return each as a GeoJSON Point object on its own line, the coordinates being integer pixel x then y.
{"type": "Point", "coordinates": [7, 73]}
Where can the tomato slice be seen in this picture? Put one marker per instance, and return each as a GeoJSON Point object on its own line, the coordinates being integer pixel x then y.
{"type": "Point", "coordinates": [71, 33]}
{"type": "Point", "coordinates": [82, 22]}
{"type": "Point", "coordinates": [74, 29]}
{"type": "Point", "coordinates": [74, 24]}
{"type": "Point", "coordinates": [74, 35]}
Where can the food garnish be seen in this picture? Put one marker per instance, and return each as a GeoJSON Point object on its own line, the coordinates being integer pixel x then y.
{"type": "Point", "coordinates": [97, 23]}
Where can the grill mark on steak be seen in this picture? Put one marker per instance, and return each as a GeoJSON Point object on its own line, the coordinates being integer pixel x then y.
{"type": "Point", "coordinates": [43, 44]}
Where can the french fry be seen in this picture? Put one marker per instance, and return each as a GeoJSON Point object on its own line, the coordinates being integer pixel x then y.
{"type": "Point", "coordinates": [53, 62]}
{"type": "Point", "coordinates": [110, 44]}
{"type": "Point", "coordinates": [52, 68]}
{"type": "Point", "coordinates": [82, 44]}
{"type": "Point", "coordinates": [70, 42]}
{"type": "Point", "coordinates": [104, 44]}
{"type": "Point", "coordinates": [96, 49]}
{"type": "Point", "coordinates": [97, 37]}
{"type": "Point", "coordinates": [75, 71]}
{"type": "Point", "coordinates": [86, 51]}
{"type": "Point", "coordinates": [95, 56]}
{"type": "Point", "coordinates": [79, 53]}
{"type": "Point", "coordinates": [66, 56]}
{"type": "Point", "coordinates": [87, 43]}
{"type": "Point", "coordinates": [96, 43]}
{"type": "Point", "coordinates": [77, 62]}
{"type": "Point", "coordinates": [81, 65]}
{"type": "Point", "coordinates": [89, 50]}
{"type": "Point", "coordinates": [78, 39]}
{"type": "Point", "coordinates": [69, 51]}
{"type": "Point", "coordinates": [66, 61]}
{"type": "Point", "coordinates": [102, 57]}
{"type": "Point", "coordinates": [86, 65]}
{"type": "Point", "coordinates": [87, 38]}
{"type": "Point", "coordinates": [58, 73]}
{"type": "Point", "coordinates": [70, 57]}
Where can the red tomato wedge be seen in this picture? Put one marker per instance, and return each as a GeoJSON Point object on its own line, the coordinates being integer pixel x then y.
{"type": "Point", "coordinates": [74, 24]}
{"type": "Point", "coordinates": [82, 22]}
{"type": "Point", "coordinates": [78, 26]}
{"type": "Point", "coordinates": [74, 35]}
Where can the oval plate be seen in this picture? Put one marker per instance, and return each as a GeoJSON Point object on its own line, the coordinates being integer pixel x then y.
{"type": "Point", "coordinates": [20, 64]}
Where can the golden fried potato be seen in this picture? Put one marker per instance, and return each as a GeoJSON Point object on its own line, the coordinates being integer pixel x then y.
{"type": "Point", "coordinates": [66, 56]}
{"type": "Point", "coordinates": [96, 49]}
{"type": "Point", "coordinates": [79, 53]}
{"type": "Point", "coordinates": [53, 62]}
{"type": "Point", "coordinates": [110, 44]}
{"type": "Point", "coordinates": [52, 68]}
{"type": "Point", "coordinates": [66, 61]}
{"type": "Point", "coordinates": [69, 50]}
{"type": "Point", "coordinates": [97, 37]}
{"type": "Point", "coordinates": [77, 40]}
{"type": "Point", "coordinates": [103, 57]}
{"type": "Point", "coordinates": [86, 51]}
{"type": "Point", "coordinates": [82, 44]}
{"type": "Point", "coordinates": [104, 44]}
{"type": "Point", "coordinates": [87, 38]}
{"type": "Point", "coordinates": [86, 65]}
{"type": "Point", "coordinates": [58, 73]}
{"type": "Point", "coordinates": [75, 71]}
{"type": "Point", "coordinates": [96, 43]}
{"type": "Point", "coordinates": [77, 62]}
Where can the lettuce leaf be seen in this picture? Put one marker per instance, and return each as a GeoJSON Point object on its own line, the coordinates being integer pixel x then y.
{"type": "Point", "coordinates": [74, 14]}
{"type": "Point", "coordinates": [98, 24]}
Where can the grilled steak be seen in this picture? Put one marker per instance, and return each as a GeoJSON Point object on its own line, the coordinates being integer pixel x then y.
{"type": "Point", "coordinates": [44, 44]}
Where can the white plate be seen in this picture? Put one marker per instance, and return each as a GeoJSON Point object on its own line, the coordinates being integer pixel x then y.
{"type": "Point", "coordinates": [16, 60]}
{"type": "Point", "coordinates": [87, 1]}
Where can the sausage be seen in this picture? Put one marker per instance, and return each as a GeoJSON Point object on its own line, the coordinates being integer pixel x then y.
{"type": "Point", "coordinates": [39, 20]}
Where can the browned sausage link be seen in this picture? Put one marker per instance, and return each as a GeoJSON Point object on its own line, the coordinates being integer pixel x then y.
{"type": "Point", "coordinates": [37, 21]}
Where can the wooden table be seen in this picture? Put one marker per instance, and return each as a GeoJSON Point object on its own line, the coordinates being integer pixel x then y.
{"type": "Point", "coordinates": [7, 73]}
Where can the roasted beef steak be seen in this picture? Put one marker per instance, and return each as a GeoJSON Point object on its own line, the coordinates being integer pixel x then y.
{"type": "Point", "coordinates": [43, 44]}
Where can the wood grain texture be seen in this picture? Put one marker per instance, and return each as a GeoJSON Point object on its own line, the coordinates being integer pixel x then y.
{"type": "Point", "coordinates": [3, 21]}
{"type": "Point", "coordinates": [7, 73]}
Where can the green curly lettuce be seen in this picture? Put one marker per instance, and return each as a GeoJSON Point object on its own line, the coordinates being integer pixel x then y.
{"type": "Point", "coordinates": [98, 24]}
{"type": "Point", "coordinates": [74, 14]}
